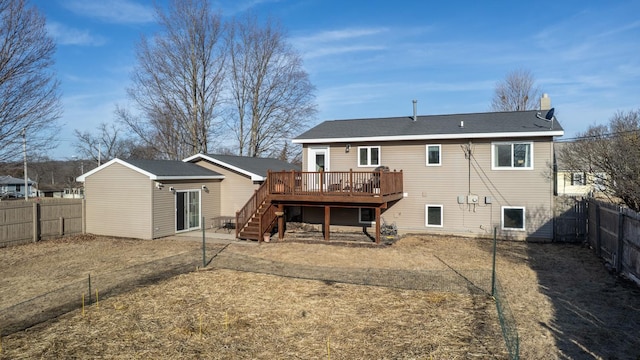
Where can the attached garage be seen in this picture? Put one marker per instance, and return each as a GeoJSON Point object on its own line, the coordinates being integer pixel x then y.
{"type": "Point", "coordinates": [148, 199]}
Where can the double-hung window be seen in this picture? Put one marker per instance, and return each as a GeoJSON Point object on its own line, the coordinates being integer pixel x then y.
{"type": "Point", "coordinates": [368, 156]}
{"type": "Point", "coordinates": [578, 178]}
{"type": "Point", "coordinates": [512, 155]}
{"type": "Point", "coordinates": [434, 155]}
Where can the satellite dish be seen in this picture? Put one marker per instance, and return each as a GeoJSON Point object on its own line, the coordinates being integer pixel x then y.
{"type": "Point", "coordinates": [549, 115]}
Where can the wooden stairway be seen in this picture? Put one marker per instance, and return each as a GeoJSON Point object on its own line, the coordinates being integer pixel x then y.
{"type": "Point", "coordinates": [257, 217]}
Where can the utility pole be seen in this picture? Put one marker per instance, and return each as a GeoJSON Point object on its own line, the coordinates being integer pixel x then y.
{"type": "Point", "coordinates": [24, 150]}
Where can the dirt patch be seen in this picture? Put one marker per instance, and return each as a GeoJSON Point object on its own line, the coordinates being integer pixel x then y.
{"type": "Point", "coordinates": [303, 300]}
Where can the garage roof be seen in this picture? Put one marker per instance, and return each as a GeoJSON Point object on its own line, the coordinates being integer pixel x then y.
{"type": "Point", "coordinates": [161, 170]}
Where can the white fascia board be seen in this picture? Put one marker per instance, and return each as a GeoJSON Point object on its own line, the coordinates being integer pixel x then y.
{"type": "Point", "coordinates": [82, 177]}
{"type": "Point", "coordinates": [431, 137]}
{"type": "Point", "coordinates": [254, 177]}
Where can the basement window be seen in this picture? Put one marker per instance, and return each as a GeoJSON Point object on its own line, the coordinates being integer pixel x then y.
{"type": "Point", "coordinates": [366, 216]}
{"type": "Point", "coordinates": [513, 218]}
{"type": "Point", "coordinates": [433, 215]}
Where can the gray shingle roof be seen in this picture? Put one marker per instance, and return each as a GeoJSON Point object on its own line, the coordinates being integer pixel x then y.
{"type": "Point", "coordinates": [254, 165]}
{"type": "Point", "coordinates": [520, 122]}
{"type": "Point", "coordinates": [172, 168]}
{"type": "Point", "coordinates": [10, 180]}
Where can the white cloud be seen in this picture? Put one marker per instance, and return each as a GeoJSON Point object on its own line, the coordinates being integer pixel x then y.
{"type": "Point", "coordinates": [112, 11]}
{"type": "Point", "coordinates": [65, 35]}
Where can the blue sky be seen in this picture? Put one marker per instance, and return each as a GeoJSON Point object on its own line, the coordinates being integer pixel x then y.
{"type": "Point", "coordinates": [370, 59]}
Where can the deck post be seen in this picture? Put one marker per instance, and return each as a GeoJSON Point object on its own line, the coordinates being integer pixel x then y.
{"type": "Point", "coordinates": [377, 225]}
{"type": "Point", "coordinates": [327, 220]}
{"type": "Point", "coordinates": [281, 222]}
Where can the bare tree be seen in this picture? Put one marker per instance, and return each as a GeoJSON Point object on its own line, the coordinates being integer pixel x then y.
{"type": "Point", "coordinates": [517, 92]}
{"type": "Point", "coordinates": [108, 143]}
{"type": "Point", "coordinates": [271, 94]}
{"type": "Point", "coordinates": [29, 97]}
{"type": "Point", "coordinates": [609, 155]}
{"type": "Point", "coordinates": [178, 80]}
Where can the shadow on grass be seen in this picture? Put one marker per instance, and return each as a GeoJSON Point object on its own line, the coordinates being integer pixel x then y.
{"type": "Point", "coordinates": [597, 314]}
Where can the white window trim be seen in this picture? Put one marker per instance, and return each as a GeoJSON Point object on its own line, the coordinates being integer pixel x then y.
{"type": "Point", "coordinates": [524, 218]}
{"type": "Point", "coordinates": [493, 155]}
{"type": "Point", "coordinates": [426, 215]}
{"type": "Point", "coordinates": [439, 155]}
{"type": "Point", "coordinates": [366, 222]}
{"type": "Point", "coordinates": [369, 156]}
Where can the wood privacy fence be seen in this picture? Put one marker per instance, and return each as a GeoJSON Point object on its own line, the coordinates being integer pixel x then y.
{"type": "Point", "coordinates": [614, 233]}
{"type": "Point", "coordinates": [29, 221]}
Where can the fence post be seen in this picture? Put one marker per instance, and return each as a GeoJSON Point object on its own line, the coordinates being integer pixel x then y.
{"type": "Point", "coordinates": [598, 232]}
{"type": "Point", "coordinates": [204, 255]}
{"type": "Point", "coordinates": [84, 216]}
{"type": "Point", "coordinates": [36, 221]}
{"type": "Point", "coordinates": [61, 226]}
{"type": "Point", "coordinates": [493, 271]}
{"type": "Point", "coordinates": [620, 248]}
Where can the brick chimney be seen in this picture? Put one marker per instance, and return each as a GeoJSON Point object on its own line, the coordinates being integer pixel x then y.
{"type": "Point", "coordinates": [545, 102]}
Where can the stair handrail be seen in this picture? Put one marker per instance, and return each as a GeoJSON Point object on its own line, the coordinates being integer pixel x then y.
{"type": "Point", "coordinates": [251, 206]}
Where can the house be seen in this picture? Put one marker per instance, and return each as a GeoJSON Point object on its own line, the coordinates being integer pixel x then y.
{"type": "Point", "coordinates": [149, 199]}
{"type": "Point", "coordinates": [11, 187]}
{"type": "Point", "coordinates": [574, 182]}
{"type": "Point", "coordinates": [460, 174]}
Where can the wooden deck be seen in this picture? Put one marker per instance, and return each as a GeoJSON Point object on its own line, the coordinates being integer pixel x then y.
{"type": "Point", "coordinates": [335, 187]}
{"type": "Point", "coordinates": [346, 189]}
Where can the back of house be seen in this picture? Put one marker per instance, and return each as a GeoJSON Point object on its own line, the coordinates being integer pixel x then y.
{"type": "Point", "coordinates": [463, 174]}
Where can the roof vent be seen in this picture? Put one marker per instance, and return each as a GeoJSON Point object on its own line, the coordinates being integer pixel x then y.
{"type": "Point", "coordinates": [461, 123]}
{"type": "Point", "coordinates": [415, 110]}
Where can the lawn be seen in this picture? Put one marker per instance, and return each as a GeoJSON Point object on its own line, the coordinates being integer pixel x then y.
{"type": "Point", "coordinates": [319, 301]}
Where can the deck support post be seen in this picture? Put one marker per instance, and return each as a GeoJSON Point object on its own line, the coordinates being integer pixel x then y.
{"type": "Point", "coordinates": [377, 225]}
{"type": "Point", "coordinates": [327, 220]}
{"type": "Point", "coordinates": [281, 222]}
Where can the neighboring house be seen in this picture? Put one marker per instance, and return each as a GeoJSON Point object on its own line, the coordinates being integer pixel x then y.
{"type": "Point", "coordinates": [149, 199]}
{"type": "Point", "coordinates": [51, 190]}
{"type": "Point", "coordinates": [576, 182]}
{"type": "Point", "coordinates": [460, 174]}
{"type": "Point", "coordinates": [11, 187]}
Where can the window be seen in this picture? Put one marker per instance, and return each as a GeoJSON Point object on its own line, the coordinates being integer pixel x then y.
{"type": "Point", "coordinates": [368, 155]}
{"type": "Point", "coordinates": [512, 156]}
{"type": "Point", "coordinates": [513, 218]}
{"type": "Point", "coordinates": [599, 181]}
{"type": "Point", "coordinates": [366, 216]}
{"type": "Point", "coordinates": [577, 178]}
{"type": "Point", "coordinates": [433, 215]}
{"type": "Point", "coordinates": [433, 155]}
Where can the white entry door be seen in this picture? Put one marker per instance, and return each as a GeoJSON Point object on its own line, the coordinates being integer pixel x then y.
{"type": "Point", "coordinates": [318, 161]}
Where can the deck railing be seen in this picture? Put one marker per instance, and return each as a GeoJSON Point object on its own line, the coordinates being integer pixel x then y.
{"type": "Point", "coordinates": [335, 183]}
{"type": "Point", "coordinates": [249, 209]}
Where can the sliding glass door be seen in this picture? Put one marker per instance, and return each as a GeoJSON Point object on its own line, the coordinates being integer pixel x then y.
{"type": "Point", "coordinates": [187, 210]}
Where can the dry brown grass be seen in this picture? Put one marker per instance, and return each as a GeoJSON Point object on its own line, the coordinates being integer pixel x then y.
{"type": "Point", "coordinates": [566, 305]}
{"type": "Point", "coordinates": [223, 314]}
